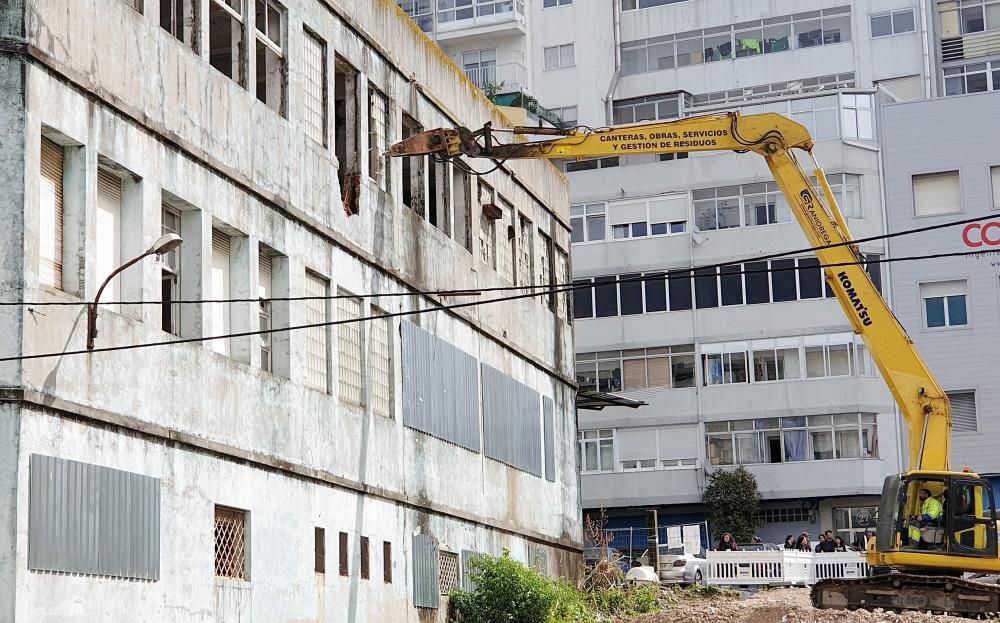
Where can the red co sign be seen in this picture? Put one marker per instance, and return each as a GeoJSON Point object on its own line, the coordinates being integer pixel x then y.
{"type": "Point", "coordinates": [979, 234]}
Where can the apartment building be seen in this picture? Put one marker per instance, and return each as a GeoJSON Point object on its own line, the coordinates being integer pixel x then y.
{"type": "Point", "coordinates": [757, 366]}
{"type": "Point", "coordinates": [345, 465]}
{"type": "Point", "coordinates": [950, 305]}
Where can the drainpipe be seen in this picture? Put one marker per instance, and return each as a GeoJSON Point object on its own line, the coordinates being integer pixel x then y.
{"type": "Point", "coordinates": [616, 30]}
{"type": "Point", "coordinates": [925, 45]}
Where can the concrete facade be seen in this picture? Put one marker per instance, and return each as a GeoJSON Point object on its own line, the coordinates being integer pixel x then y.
{"type": "Point", "coordinates": [953, 134]}
{"type": "Point", "coordinates": [118, 93]}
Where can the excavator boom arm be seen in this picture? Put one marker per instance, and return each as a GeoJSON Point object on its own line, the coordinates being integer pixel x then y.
{"type": "Point", "coordinates": [923, 404]}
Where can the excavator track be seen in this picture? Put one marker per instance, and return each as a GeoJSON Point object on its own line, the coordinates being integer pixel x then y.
{"type": "Point", "coordinates": [904, 592]}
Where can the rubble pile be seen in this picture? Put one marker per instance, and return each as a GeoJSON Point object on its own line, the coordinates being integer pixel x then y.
{"type": "Point", "coordinates": [786, 605]}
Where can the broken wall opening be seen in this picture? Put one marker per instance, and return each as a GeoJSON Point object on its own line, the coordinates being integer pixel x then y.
{"type": "Point", "coordinates": [345, 123]}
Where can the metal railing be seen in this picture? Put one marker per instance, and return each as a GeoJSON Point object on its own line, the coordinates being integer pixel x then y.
{"type": "Point", "coordinates": [783, 567]}
{"type": "Point", "coordinates": [507, 77]}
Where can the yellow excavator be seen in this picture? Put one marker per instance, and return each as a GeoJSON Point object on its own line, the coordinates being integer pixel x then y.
{"type": "Point", "coordinates": [933, 524]}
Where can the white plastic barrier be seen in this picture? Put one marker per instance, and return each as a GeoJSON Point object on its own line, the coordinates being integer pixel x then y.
{"type": "Point", "coordinates": [838, 565]}
{"type": "Point", "coordinates": [782, 567]}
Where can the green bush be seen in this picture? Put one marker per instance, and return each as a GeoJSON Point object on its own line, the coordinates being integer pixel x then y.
{"type": "Point", "coordinates": [508, 592]}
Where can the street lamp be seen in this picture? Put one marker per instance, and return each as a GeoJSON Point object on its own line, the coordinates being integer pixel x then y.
{"type": "Point", "coordinates": [164, 244]}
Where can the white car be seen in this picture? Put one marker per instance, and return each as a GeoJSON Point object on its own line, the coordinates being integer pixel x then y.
{"type": "Point", "coordinates": [679, 566]}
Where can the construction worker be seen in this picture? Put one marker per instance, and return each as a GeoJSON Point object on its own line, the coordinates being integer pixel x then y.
{"type": "Point", "coordinates": [930, 515]}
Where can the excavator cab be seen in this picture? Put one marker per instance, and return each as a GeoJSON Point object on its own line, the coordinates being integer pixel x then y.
{"type": "Point", "coordinates": [925, 514]}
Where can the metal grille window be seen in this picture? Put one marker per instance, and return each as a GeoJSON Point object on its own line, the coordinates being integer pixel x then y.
{"type": "Point", "coordinates": [231, 543]}
{"type": "Point", "coordinates": [264, 290]}
{"type": "Point", "coordinates": [448, 563]}
{"type": "Point", "coordinates": [378, 137]}
{"type": "Point", "coordinates": [50, 215]}
{"type": "Point", "coordinates": [270, 38]}
{"type": "Point", "coordinates": [170, 274]}
{"type": "Point", "coordinates": [782, 515]}
{"type": "Point", "coordinates": [314, 97]}
{"type": "Point", "coordinates": [316, 337]}
{"type": "Point", "coordinates": [349, 351]}
{"type": "Point", "coordinates": [964, 417]}
{"type": "Point", "coordinates": [380, 362]}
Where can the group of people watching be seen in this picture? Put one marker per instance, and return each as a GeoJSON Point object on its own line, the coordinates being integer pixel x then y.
{"type": "Point", "coordinates": [827, 543]}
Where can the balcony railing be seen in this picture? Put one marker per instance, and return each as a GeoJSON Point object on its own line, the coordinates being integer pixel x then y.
{"type": "Point", "coordinates": [504, 78]}
{"type": "Point", "coordinates": [483, 13]}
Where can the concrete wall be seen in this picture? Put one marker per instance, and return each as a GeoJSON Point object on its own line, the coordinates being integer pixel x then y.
{"type": "Point", "coordinates": [949, 134]}
{"type": "Point", "coordinates": [112, 86]}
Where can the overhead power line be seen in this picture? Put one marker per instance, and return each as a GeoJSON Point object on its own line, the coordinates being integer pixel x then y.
{"type": "Point", "coordinates": [414, 312]}
{"type": "Point", "coordinates": [542, 289]}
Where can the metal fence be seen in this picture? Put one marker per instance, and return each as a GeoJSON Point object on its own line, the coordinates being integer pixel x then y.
{"type": "Point", "coordinates": [633, 543]}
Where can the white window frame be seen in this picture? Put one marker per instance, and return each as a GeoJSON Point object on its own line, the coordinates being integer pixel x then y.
{"type": "Point", "coordinates": [990, 69]}
{"type": "Point", "coordinates": [917, 178]}
{"type": "Point", "coordinates": [316, 122]}
{"type": "Point", "coordinates": [555, 4]}
{"type": "Point", "coordinates": [562, 51]}
{"type": "Point", "coordinates": [892, 22]}
{"type": "Point", "coordinates": [604, 434]}
{"type": "Point", "coordinates": [317, 311]}
{"type": "Point", "coordinates": [174, 271]}
{"type": "Point", "coordinates": [943, 284]}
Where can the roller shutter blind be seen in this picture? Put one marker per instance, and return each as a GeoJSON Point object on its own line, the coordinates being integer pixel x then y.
{"type": "Point", "coordinates": [109, 212]}
{"type": "Point", "coordinates": [50, 217]}
{"type": "Point", "coordinates": [678, 442]}
{"type": "Point", "coordinates": [936, 193]}
{"type": "Point", "coordinates": [220, 290]}
{"type": "Point", "coordinates": [636, 445]}
{"type": "Point", "coordinates": [963, 412]}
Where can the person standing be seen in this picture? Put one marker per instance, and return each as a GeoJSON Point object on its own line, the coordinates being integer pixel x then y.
{"type": "Point", "coordinates": [803, 544]}
{"type": "Point", "coordinates": [790, 542]}
{"type": "Point", "coordinates": [828, 541]}
{"type": "Point", "coordinates": [838, 544]}
{"type": "Point", "coordinates": [727, 544]}
{"type": "Point", "coordinates": [821, 546]}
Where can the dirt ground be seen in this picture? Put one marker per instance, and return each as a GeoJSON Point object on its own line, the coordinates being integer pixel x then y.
{"type": "Point", "coordinates": [786, 605]}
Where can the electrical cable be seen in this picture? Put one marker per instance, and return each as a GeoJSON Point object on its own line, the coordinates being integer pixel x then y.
{"type": "Point", "coordinates": [546, 292]}
{"type": "Point", "coordinates": [479, 291]}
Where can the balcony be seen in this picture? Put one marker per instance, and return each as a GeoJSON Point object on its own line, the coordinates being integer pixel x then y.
{"type": "Point", "coordinates": [494, 17]}
{"type": "Point", "coordinates": [504, 78]}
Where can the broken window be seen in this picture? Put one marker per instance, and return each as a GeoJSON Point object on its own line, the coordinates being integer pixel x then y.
{"type": "Point", "coordinates": [413, 170]}
{"type": "Point", "coordinates": [461, 200]}
{"type": "Point", "coordinates": [225, 38]}
{"type": "Point", "coordinates": [135, 4]}
{"type": "Point", "coordinates": [545, 271]}
{"type": "Point", "coordinates": [265, 291]}
{"type": "Point", "coordinates": [345, 123]}
{"type": "Point", "coordinates": [319, 550]}
{"type": "Point", "coordinates": [378, 136]}
{"type": "Point", "coordinates": [179, 18]}
{"type": "Point", "coordinates": [387, 562]}
{"type": "Point", "coordinates": [270, 55]}
{"type": "Point", "coordinates": [170, 274]}
{"type": "Point", "coordinates": [487, 228]}
{"type": "Point", "coordinates": [350, 349]}
{"type": "Point", "coordinates": [343, 554]}
{"type": "Point", "coordinates": [50, 215]}
{"type": "Point", "coordinates": [525, 253]}
{"type": "Point", "coordinates": [506, 241]}
{"type": "Point", "coordinates": [365, 568]}
{"type": "Point", "coordinates": [314, 115]}
{"type": "Point", "coordinates": [438, 192]}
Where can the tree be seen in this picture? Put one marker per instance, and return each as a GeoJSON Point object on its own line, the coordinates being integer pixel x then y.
{"type": "Point", "coordinates": [733, 502]}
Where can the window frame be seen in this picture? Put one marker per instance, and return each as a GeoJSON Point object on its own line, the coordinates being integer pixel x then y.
{"type": "Point", "coordinates": [560, 49]}
{"type": "Point", "coordinates": [892, 22]}
{"type": "Point", "coordinates": [583, 442]}
{"type": "Point", "coordinates": [946, 305]}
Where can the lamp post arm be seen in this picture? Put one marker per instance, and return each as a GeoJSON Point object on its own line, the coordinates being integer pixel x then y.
{"type": "Point", "coordinates": [92, 307]}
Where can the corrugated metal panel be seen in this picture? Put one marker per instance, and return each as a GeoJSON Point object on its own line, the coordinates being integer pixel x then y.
{"type": "Point", "coordinates": [440, 388]}
{"type": "Point", "coordinates": [904, 88]}
{"type": "Point", "coordinates": [963, 412]}
{"type": "Point", "coordinates": [425, 571]}
{"type": "Point", "coordinates": [468, 584]}
{"type": "Point", "coordinates": [548, 415]}
{"type": "Point", "coordinates": [511, 422]}
{"type": "Point", "coordinates": [89, 519]}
